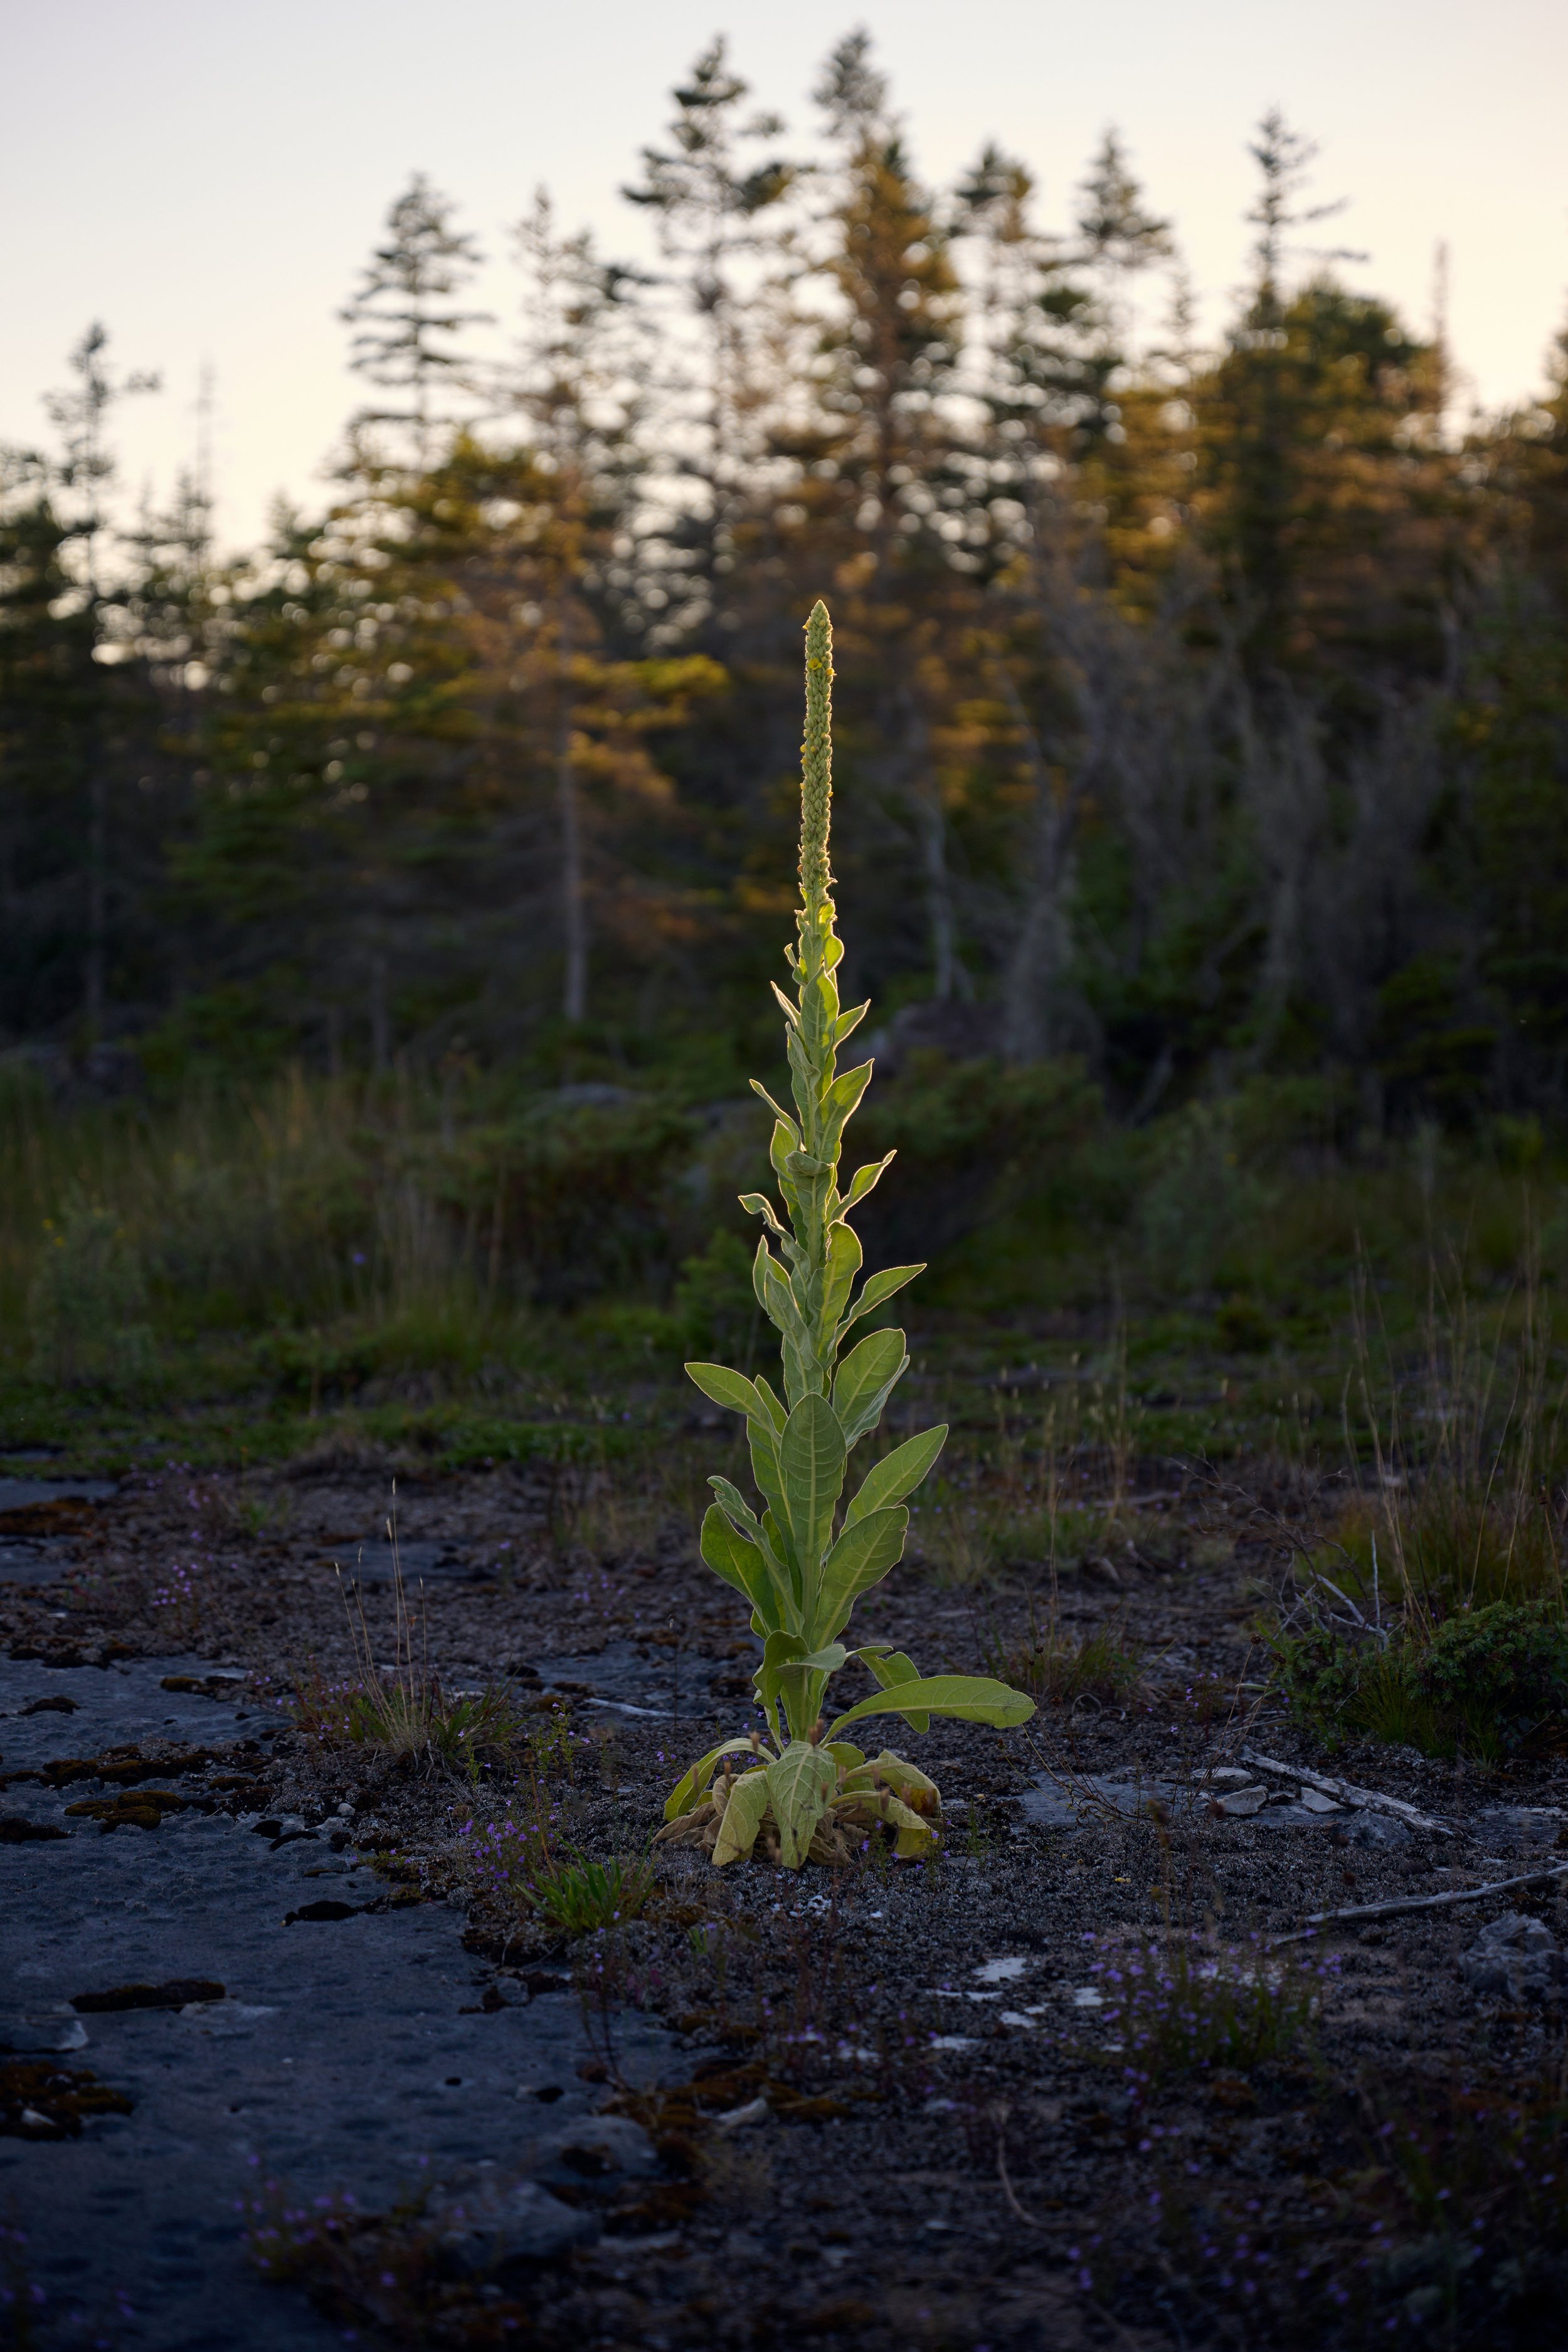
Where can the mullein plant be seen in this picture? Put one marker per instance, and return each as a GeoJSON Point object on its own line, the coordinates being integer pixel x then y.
{"type": "Point", "coordinates": [807, 1792]}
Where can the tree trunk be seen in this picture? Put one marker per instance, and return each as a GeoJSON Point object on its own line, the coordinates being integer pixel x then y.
{"type": "Point", "coordinates": [1042, 951]}
{"type": "Point", "coordinates": [380, 1032]}
{"type": "Point", "coordinates": [94, 961]}
{"type": "Point", "coordinates": [574, 910]}
{"type": "Point", "coordinates": [949, 975]}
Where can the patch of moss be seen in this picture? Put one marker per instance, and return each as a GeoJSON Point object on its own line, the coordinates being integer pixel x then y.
{"type": "Point", "coordinates": [41, 2100]}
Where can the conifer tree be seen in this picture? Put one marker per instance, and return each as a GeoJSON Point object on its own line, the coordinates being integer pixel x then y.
{"type": "Point", "coordinates": [887, 365]}
{"type": "Point", "coordinates": [1263, 404]}
{"type": "Point", "coordinates": [715, 199]}
{"type": "Point", "coordinates": [73, 715]}
{"type": "Point", "coordinates": [407, 314]}
{"type": "Point", "coordinates": [580, 388]}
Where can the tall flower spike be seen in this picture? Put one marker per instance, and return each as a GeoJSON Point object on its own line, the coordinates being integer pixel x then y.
{"type": "Point", "coordinates": [802, 1563]}
{"type": "Point", "coordinates": [817, 762]}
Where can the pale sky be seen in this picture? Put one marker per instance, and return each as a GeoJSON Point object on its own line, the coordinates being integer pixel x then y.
{"type": "Point", "coordinates": [208, 179]}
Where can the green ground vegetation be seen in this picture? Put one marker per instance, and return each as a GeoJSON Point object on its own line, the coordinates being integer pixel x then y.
{"type": "Point", "coordinates": [240, 1278]}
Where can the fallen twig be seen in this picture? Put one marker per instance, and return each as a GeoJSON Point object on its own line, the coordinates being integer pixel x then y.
{"type": "Point", "coordinates": [1077, 1787]}
{"type": "Point", "coordinates": [1007, 2189]}
{"type": "Point", "coordinates": [1317, 1919]}
{"type": "Point", "coordinates": [1027, 2218]}
{"type": "Point", "coordinates": [1366, 1801]}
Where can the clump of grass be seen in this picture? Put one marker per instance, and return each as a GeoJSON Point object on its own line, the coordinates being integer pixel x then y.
{"type": "Point", "coordinates": [1177, 2007]}
{"type": "Point", "coordinates": [581, 1896]}
{"type": "Point", "coordinates": [403, 1711]}
{"type": "Point", "coordinates": [1434, 1613]}
{"type": "Point", "coordinates": [87, 1302]}
{"type": "Point", "coordinates": [459, 1729]}
{"type": "Point", "coordinates": [252, 1511]}
{"type": "Point", "coordinates": [608, 1517]}
{"type": "Point", "coordinates": [957, 1545]}
{"type": "Point", "coordinates": [1067, 1668]}
{"type": "Point", "coordinates": [1443, 1548]}
{"type": "Point", "coordinates": [409, 1720]}
{"type": "Point", "coordinates": [511, 1859]}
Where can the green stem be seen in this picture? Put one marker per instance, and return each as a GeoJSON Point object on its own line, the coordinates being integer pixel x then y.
{"type": "Point", "coordinates": [816, 776]}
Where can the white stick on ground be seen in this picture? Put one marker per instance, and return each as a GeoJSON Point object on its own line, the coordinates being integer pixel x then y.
{"type": "Point", "coordinates": [1319, 1919]}
{"type": "Point", "coordinates": [1366, 1801]}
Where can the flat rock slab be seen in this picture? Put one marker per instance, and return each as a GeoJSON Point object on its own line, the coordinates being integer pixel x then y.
{"type": "Point", "coordinates": [1055, 1804]}
{"type": "Point", "coordinates": [651, 1679]}
{"type": "Point", "coordinates": [338, 2059]}
{"type": "Point", "coordinates": [30, 1552]}
{"type": "Point", "coordinates": [1519, 1829]}
{"type": "Point", "coordinates": [35, 1563]}
{"type": "Point", "coordinates": [369, 1561]}
{"type": "Point", "coordinates": [27, 1494]}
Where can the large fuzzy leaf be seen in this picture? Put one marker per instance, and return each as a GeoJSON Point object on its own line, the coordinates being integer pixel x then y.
{"type": "Point", "coordinates": [839, 1104]}
{"type": "Point", "coordinates": [799, 1785]}
{"type": "Point", "coordinates": [891, 1666]}
{"type": "Point", "coordinates": [877, 1289]}
{"type": "Point", "coordinates": [802, 1377]}
{"type": "Point", "coordinates": [743, 1811]}
{"type": "Point", "coordinates": [916, 1835]}
{"type": "Point", "coordinates": [899, 1774]}
{"type": "Point", "coordinates": [687, 1789]}
{"type": "Point", "coordinates": [771, 1538]}
{"type": "Point", "coordinates": [778, 1299]}
{"type": "Point", "coordinates": [780, 1650]}
{"type": "Point", "coordinates": [738, 1560]}
{"type": "Point", "coordinates": [843, 1266]}
{"type": "Point", "coordinates": [738, 1510]}
{"type": "Point", "coordinates": [799, 1675]}
{"type": "Point", "coordinates": [969, 1698]}
{"type": "Point", "coordinates": [762, 1440]}
{"type": "Point", "coordinates": [782, 1117]}
{"type": "Point", "coordinates": [861, 1558]}
{"type": "Point", "coordinates": [776, 1412]}
{"type": "Point", "coordinates": [898, 1473]}
{"type": "Point", "coordinates": [732, 1389]}
{"type": "Point", "coordinates": [865, 1177]}
{"type": "Point", "coordinates": [757, 1204]}
{"type": "Point", "coordinates": [791, 1015]}
{"type": "Point", "coordinates": [811, 1464]}
{"type": "Point", "coordinates": [865, 1376]}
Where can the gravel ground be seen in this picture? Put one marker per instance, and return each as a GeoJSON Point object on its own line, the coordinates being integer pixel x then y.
{"type": "Point", "coordinates": [1055, 2087]}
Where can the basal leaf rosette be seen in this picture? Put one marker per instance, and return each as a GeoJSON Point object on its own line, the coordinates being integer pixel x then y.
{"type": "Point", "coordinates": [798, 1792]}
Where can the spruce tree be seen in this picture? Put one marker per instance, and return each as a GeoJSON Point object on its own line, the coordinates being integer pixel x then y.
{"type": "Point", "coordinates": [714, 189]}
{"type": "Point", "coordinates": [406, 315]}
{"type": "Point", "coordinates": [77, 720]}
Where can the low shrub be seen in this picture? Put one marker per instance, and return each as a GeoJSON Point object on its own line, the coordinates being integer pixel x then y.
{"type": "Point", "coordinates": [715, 1311]}
{"type": "Point", "coordinates": [974, 1139]}
{"type": "Point", "coordinates": [1200, 1199]}
{"type": "Point", "coordinates": [1491, 1683]}
{"type": "Point", "coordinates": [1498, 1678]}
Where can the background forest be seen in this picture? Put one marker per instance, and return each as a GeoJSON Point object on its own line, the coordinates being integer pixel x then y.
{"type": "Point", "coordinates": [402, 895]}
